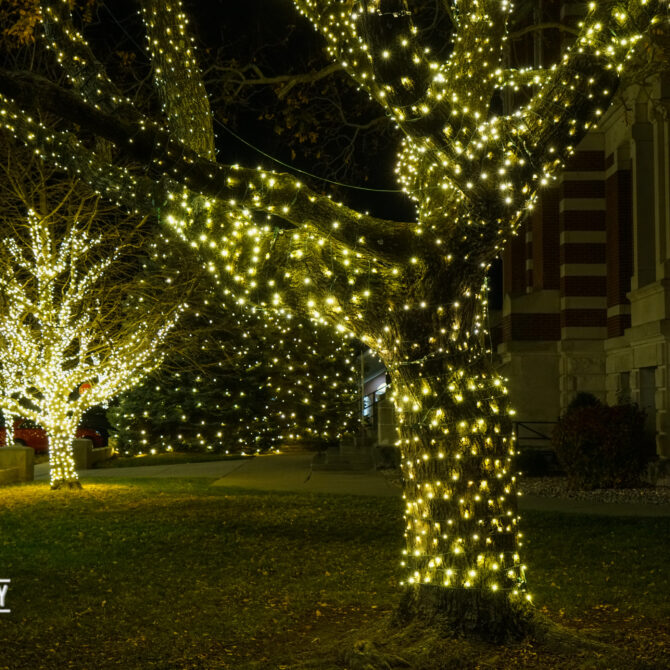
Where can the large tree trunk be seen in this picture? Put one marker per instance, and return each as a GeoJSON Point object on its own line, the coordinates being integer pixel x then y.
{"type": "Point", "coordinates": [461, 558]}
{"type": "Point", "coordinates": [61, 460]}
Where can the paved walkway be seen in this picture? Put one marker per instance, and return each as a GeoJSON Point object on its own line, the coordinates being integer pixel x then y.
{"type": "Point", "coordinates": [293, 472]}
{"type": "Point", "coordinates": [211, 469]}
{"type": "Point", "coordinates": [270, 472]}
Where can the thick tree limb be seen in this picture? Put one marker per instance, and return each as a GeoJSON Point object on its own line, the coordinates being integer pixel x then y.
{"type": "Point", "coordinates": [585, 81]}
{"type": "Point", "coordinates": [262, 261]}
{"type": "Point", "coordinates": [177, 77]}
{"type": "Point", "coordinates": [85, 72]}
{"type": "Point", "coordinates": [151, 146]}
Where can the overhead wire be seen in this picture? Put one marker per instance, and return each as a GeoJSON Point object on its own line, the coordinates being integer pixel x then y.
{"type": "Point", "coordinates": [274, 159]}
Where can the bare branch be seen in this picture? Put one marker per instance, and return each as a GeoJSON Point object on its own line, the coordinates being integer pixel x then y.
{"type": "Point", "coordinates": [239, 75]}
{"type": "Point", "coordinates": [539, 27]}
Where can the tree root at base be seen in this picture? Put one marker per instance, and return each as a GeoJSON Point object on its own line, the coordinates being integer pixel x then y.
{"type": "Point", "coordinates": [76, 485]}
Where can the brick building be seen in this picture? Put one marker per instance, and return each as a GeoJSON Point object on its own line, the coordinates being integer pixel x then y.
{"type": "Point", "coordinates": [586, 283]}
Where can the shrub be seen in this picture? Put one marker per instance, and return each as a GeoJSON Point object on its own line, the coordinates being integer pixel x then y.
{"type": "Point", "coordinates": [603, 447]}
{"type": "Point", "coordinates": [583, 399]}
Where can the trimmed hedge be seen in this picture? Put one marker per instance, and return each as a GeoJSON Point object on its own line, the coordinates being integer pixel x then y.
{"type": "Point", "coordinates": [603, 447]}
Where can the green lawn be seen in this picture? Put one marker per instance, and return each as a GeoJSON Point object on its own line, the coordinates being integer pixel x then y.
{"type": "Point", "coordinates": [178, 574]}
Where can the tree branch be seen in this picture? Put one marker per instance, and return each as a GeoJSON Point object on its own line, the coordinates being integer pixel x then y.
{"type": "Point", "coordinates": [538, 27]}
{"type": "Point", "coordinates": [151, 146]}
{"type": "Point", "coordinates": [584, 82]}
{"type": "Point", "coordinates": [289, 80]}
{"type": "Point", "coordinates": [177, 76]}
{"type": "Point", "coordinates": [514, 78]}
{"type": "Point", "coordinates": [83, 69]}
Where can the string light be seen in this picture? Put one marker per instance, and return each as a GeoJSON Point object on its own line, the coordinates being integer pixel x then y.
{"type": "Point", "coordinates": [58, 354]}
{"type": "Point", "coordinates": [256, 381]}
{"type": "Point", "coordinates": [410, 291]}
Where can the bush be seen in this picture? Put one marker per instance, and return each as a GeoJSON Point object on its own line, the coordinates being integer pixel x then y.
{"type": "Point", "coordinates": [583, 399]}
{"type": "Point", "coordinates": [603, 447]}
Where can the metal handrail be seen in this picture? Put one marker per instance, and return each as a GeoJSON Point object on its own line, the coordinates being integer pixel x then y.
{"type": "Point", "coordinates": [536, 434]}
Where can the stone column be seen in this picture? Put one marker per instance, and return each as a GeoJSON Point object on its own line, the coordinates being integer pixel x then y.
{"type": "Point", "coordinates": [643, 205]}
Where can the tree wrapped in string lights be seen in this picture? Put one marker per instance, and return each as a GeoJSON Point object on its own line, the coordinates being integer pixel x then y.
{"type": "Point", "coordinates": [238, 378]}
{"type": "Point", "coordinates": [75, 327]}
{"type": "Point", "coordinates": [412, 291]}
{"type": "Point", "coordinates": [252, 383]}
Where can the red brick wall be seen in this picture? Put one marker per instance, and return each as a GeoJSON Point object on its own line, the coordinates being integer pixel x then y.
{"type": "Point", "coordinates": [514, 264]}
{"type": "Point", "coordinates": [546, 240]}
{"type": "Point", "coordinates": [586, 220]}
{"type": "Point", "coordinates": [592, 283]}
{"type": "Point", "coordinates": [583, 252]}
{"type": "Point", "coordinates": [524, 327]}
{"type": "Point", "coordinates": [583, 318]}
{"type": "Point", "coordinates": [546, 223]}
{"type": "Point", "coordinates": [584, 286]}
{"type": "Point", "coordinates": [585, 161]}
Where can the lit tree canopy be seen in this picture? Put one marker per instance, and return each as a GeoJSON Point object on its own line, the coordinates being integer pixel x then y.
{"type": "Point", "coordinates": [238, 378]}
{"type": "Point", "coordinates": [410, 290]}
{"type": "Point", "coordinates": [244, 380]}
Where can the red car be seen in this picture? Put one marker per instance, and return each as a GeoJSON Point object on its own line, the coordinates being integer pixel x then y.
{"type": "Point", "coordinates": [28, 434]}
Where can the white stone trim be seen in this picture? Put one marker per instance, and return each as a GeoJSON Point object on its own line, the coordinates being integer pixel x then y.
{"type": "Point", "coordinates": [583, 333]}
{"type": "Point", "coordinates": [582, 175]}
{"type": "Point", "coordinates": [618, 310]}
{"type": "Point", "coordinates": [583, 302]}
{"type": "Point", "coordinates": [583, 237]}
{"type": "Point", "coordinates": [581, 204]}
{"type": "Point", "coordinates": [583, 270]}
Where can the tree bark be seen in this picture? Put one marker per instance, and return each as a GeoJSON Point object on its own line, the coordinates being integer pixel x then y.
{"type": "Point", "coordinates": [61, 460]}
{"type": "Point", "coordinates": [461, 560]}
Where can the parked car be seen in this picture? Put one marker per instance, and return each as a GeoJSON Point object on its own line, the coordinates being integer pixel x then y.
{"type": "Point", "coordinates": [30, 435]}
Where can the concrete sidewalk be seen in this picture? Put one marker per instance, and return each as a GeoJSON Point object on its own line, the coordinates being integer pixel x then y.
{"type": "Point", "coordinates": [211, 469]}
{"type": "Point", "coordinates": [268, 472]}
{"type": "Point", "coordinates": [293, 472]}
{"type": "Point", "coordinates": [566, 505]}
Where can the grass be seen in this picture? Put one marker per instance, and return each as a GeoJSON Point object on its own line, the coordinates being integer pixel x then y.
{"type": "Point", "coordinates": [178, 574]}
{"type": "Point", "coordinates": [165, 458]}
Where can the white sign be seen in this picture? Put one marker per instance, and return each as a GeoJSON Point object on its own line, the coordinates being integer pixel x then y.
{"type": "Point", "coordinates": [4, 587]}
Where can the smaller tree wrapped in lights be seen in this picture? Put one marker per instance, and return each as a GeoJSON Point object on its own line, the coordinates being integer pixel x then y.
{"type": "Point", "coordinates": [79, 320]}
